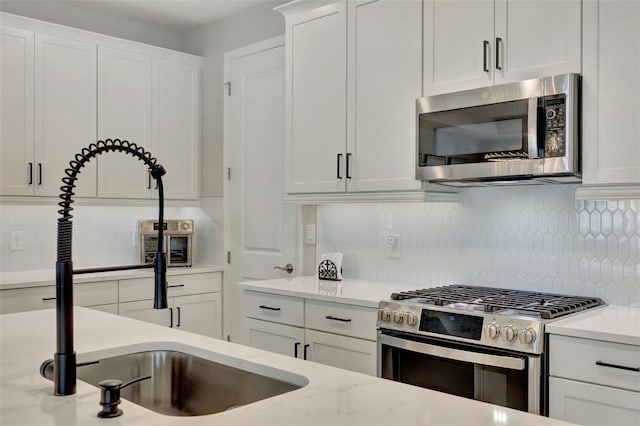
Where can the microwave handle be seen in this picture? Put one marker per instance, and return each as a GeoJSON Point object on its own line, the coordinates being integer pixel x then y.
{"type": "Point", "coordinates": [511, 363]}
{"type": "Point", "coordinates": [532, 130]}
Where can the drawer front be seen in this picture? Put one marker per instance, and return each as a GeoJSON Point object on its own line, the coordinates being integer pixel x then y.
{"type": "Point", "coordinates": [274, 307]}
{"type": "Point", "coordinates": [35, 298]}
{"type": "Point", "coordinates": [178, 285]}
{"type": "Point", "coordinates": [340, 318]}
{"type": "Point", "coordinates": [594, 361]}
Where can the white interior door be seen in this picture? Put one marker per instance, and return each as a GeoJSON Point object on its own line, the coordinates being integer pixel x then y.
{"type": "Point", "coordinates": [261, 229]}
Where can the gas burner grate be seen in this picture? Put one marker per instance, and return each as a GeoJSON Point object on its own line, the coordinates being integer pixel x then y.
{"type": "Point", "coordinates": [545, 305]}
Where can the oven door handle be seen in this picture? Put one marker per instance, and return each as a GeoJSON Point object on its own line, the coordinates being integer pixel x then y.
{"type": "Point", "coordinates": [511, 363]}
{"type": "Point", "coordinates": [532, 128]}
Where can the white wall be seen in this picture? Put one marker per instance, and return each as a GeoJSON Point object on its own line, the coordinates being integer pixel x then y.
{"type": "Point", "coordinates": [533, 238]}
{"type": "Point", "coordinates": [102, 235]}
{"type": "Point", "coordinates": [212, 41]}
{"type": "Point", "coordinates": [76, 17]}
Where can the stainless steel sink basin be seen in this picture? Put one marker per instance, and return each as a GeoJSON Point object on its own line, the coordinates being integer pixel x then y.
{"type": "Point", "coordinates": [182, 384]}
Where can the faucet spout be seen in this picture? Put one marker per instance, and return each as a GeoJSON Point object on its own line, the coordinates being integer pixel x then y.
{"type": "Point", "coordinates": [65, 357]}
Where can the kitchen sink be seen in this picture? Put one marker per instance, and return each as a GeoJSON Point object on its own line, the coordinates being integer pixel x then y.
{"type": "Point", "coordinates": [183, 384]}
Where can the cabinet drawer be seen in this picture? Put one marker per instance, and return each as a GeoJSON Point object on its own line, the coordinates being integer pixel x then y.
{"type": "Point", "coordinates": [178, 285]}
{"type": "Point", "coordinates": [340, 318]}
{"type": "Point", "coordinates": [274, 307]}
{"type": "Point", "coordinates": [35, 298]}
{"type": "Point", "coordinates": [579, 359]}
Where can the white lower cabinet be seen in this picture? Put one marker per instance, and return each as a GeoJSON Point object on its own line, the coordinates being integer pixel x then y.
{"type": "Point", "coordinates": [273, 337]}
{"type": "Point", "coordinates": [594, 382]}
{"type": "Point", "coordinates": [330, 333]}
{"type": "Point", "coordinates": [102, 296]}
{"type": "Point", "coordinates": [343, 352]}
{"type": "Point", "coordinates": [194, 302]}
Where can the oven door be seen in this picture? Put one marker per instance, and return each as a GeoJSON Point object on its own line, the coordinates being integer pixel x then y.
{"type": "Point", "coordinates": [179, 250]}
{"type": "Point", "coordinates": [490, 375]}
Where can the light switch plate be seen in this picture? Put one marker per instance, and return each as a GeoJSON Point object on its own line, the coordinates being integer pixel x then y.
{"type": "Point", "coordinates": [310, 235]}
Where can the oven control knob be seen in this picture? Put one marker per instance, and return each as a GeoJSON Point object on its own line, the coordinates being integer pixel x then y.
{"type": "Point", "coordinates": [185, 226]}
{"type": "Point", "coordinates": [492, 330]}
{"type": "Point", "coordinates": [398, 317]}
{"type": "Point", "coordinates": [509, 333]}
{"type": "Point", "coordinates": [384, 314]}
{"type": "Point", "coordinates": [527, 336]}
{"type": "Point", "coordinates": [410, 318]}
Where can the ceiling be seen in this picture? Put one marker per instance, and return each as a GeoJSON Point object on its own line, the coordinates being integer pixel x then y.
{"type": "Point", "coordinates": [171, 15]}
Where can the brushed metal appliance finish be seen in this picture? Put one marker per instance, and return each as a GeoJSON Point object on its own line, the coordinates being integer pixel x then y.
{"type": "Point", "coordinates": [182, 384]}
{"type": "Point", "coordinates": [521, 171]}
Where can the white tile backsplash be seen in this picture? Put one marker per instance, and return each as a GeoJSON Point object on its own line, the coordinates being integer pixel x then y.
{"type": "Point", "coordinates": [536, 238]}
{"type": "Point", "coordinates": [102, 235]}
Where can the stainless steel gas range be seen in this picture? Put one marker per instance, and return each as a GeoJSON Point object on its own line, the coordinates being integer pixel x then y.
{"type": "Point", "coordinates": [477, 342]}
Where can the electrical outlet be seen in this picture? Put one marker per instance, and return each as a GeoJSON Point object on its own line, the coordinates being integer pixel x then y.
{"type": "Point", "coordinates": [17, 241]}
{"type": "Point", "coordinates": [134, 237]}
{"type": "Point", "coordinates": [393, 246]}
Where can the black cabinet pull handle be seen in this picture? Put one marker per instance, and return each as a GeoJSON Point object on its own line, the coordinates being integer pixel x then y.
{"type": "Point", "coordinates": [175, 285]}
{"type": "Point", "coordinates": [621, 367]}
{"type": "Point", "coordinates": [338, 158]}
{"type": "Point", "coordinates": [39, 173]}
{"type": "Point", "coordinates": [330, 317]}
{"type": "Point", "coordinates": [485, 55]}
{"type": "Point", "coordinates": [30, 173]}
{"type": "Point", "coordinates": [171, 315]}
{"type": "Point", "coordinates": [148, 180]}
{"type": "Point", "coordinates": [268, 308]}
{"type": "Point", "coordinates": [348, 163]}
{"type": "Point", "coordinates": [178, 309]}
{"type": "Point", "coordinates": [498, 43]}
{"type": "Point", "coordinates": [295, 349]}
{"type": "Point", "coordinates": [306, 347]}
{"type": "Point", "coordinates": [44, 299]}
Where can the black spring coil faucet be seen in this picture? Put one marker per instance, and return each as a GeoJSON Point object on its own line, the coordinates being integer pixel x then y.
{"type": "Point", "coordinates": [65, 357]}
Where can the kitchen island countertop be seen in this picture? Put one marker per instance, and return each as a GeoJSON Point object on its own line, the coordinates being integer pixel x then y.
{"type": "Point", "coordinates": [332, 396]}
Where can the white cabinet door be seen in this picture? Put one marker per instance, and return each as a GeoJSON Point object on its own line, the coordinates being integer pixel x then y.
{"type": "Point", "coordinates": [16, 112]}
{"type": "Point", "coordinates": [124, 112]}
{"type": "Point", "coordinates": [536, 38]}
{"type": "Point", "coordinates": [458, 40]}
{"type": "Point", "coordinates": [176, 123]}
{"type": "Point", "coordinates": [611, 89]}
{"type": "Point", "coordinates": [589, 404]}
{"type": "Point", "coordinates": [315, 99]}
{"type": "Point", "coordinates": [342, 352]}
{"type": "Point", "coordinates": [384, 80]}
{"type": "Point", "coordinates": [278, 338]}
{"type": "Point", "coordinates": [199, 313]}
{"type": "Point", "coordinates": [65, 112]}
{"type": "Point", "coordinates": [143, 310]}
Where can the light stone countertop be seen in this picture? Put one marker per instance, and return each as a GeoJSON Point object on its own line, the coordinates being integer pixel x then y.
{"type": "Point", "coordinates": [331, 397]}
{"type": "Point", "coordinates": [354, 292]}
{"type": "Point", "coordinates": [617, 324]}
{"type": "Point", "coordinates": [9, 280]}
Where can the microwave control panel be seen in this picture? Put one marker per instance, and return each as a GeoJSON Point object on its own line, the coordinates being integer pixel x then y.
{"type": "Point", "coordinates": [555, 119]}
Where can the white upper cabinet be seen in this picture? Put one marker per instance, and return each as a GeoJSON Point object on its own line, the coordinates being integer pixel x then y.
{"type": "Point", "coordinates": [384, 80]}
{"type": "Point", "coordinates": [65, 111]}
{"type": "Point", "coordinates": [353, 73]}
{"type": "Point", "coordinates": [64, 89]}
{"type": "Point", "coordinates": [16, 112]}
{"type": "Point", "coordinates": [176, 123]}
{"type": "Point", "coordinates": [477, 43]}
{"type": "Point", "coordinates": [315, 97]}
{"type": "Point", "coordinates": [48, 112]}
{"type": "Point", "coordinates": [124, 112]}
{"type": "Point", "coordinates": [611, 89]}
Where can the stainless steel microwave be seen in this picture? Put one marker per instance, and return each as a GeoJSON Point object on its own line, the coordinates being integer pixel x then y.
{"type": "Point", "coordinates": [517, 133]}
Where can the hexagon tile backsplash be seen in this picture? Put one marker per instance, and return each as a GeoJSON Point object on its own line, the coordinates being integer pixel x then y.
{"type": "Point", "coordinates": [533, 238]}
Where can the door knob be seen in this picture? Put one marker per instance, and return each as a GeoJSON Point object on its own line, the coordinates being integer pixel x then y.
{"type": "Point", "coordinates": [288, 268]}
